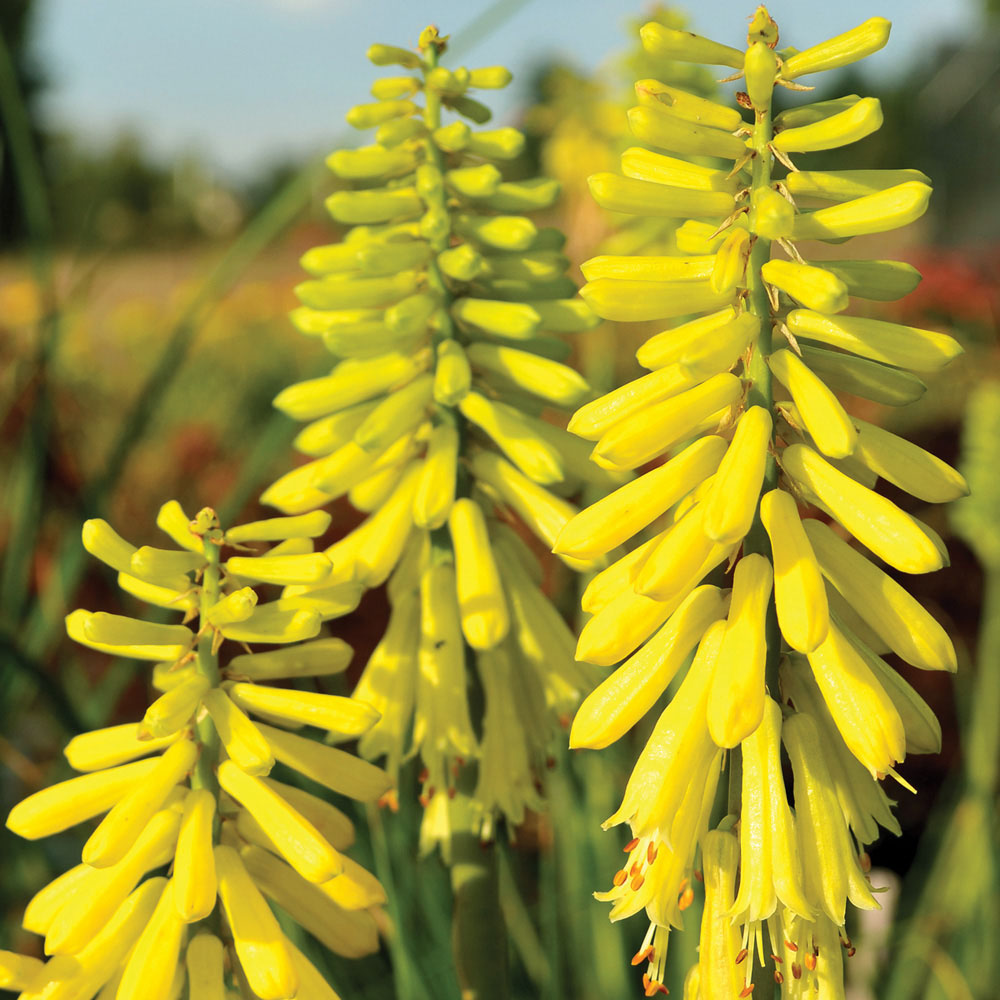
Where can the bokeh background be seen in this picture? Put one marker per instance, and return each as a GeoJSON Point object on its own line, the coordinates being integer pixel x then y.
{"type": "Point", "coordinates": [160, 174]}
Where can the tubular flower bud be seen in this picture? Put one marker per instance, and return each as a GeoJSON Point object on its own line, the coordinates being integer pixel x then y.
{"type": "Point", "coordinates": [735, 522]}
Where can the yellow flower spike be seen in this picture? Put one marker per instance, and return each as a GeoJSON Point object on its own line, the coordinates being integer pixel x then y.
{"type": "Point", "coordinates": [243, 741]}
{"type": "Point", "coordinates": [638, 438]}
{"type": "Point", "coordinates": [441, 724]}
{"type": "Point", "coordinates": [630, 301]}
{"type": "Point", "coordinates": [862, 800]}
{"type": "Point", "coordinates": [863, 712]}
{"type": "Point", "coordinates": [620, 515]}
{"type": "Point", "coordinates": [205, 959]}
{"type": "Point", "coordinates": [194, 863]}
{"type": "Point", "coordinates": [118, 831]}
{"type": "Point", "coordinates": [481, 604]}
{"type": "Point", "coordinates": [19, 972]}
{"type": "Point", "coordinates": [298, 841]}
{"type": "Point", "coordinates": [908, 466]}
{"type": "Point", "coordinates": [731, 261]}
{"type": "Point", "coordinates": [173, 709]}
{"type": "Point", "coordinates": [841, 129]}
{"type": "Point", "coordinates": [595, 418]}
{"type": "Point", "coordinates": [770, 869]}
{"type": "Point", "coordinates": [351, 934]}
{"type": "Point", "coordinates": [638, 197]}
{"type": "Point", "coordinates": [544, 513]}
{"type": "Point", "coordinates": [506, 426]}
{"type": "Point", "coordinates": [435, 491]}
{"type": "Point", "coordinates": [678, 752]}
{"type": "Point", "coordinates": [821, 412]}
{"type": "Point", "coordinates": [703, 346]}
{"type": "Point", "coordinates": [108, 747]}
{"type": "Point", "coordinates": [87, 911]}
{"type": "Point", "coordinates": [61, 806]}
{"type": "Point", "coordinates": [736, 700]}
{"type": "Point", "coordinates": [636, 268]}
{"type": "Point", "coordinates": [149, 972]}
{"type": "Point", "coordinates": [815, 287]}
{"type": "Point", "coordinates": [172, 520]}
{"type": "Point", "coordinates": [720, 939]}
{"type": "Point", "coordinates": [618, 703]}
{"type": "Point", "coordinates": [829, 864]}
{"type": "Point", "coordinates": [260, 945]}
{"type": "Point", "coordinates": [344, 718]}
{"type": "Point", "coordinates": [799, 592]}
{"type": "Point", "coordinates": [841, 50]}
{"type": "Point", "coordinates": [885, 606]}
{"type": "Point", "coordinates": [875, 521]}
{"type": "Point", "coordinates": [388, 684]}
{"type": "Point", "coordinates": [890, 343]}
{"type": "Point", "coordinates": [676, 565]}
{"type": "Point", "coordinates": [731, 502]}
{"type": "Point", "coordinates": [308, 659]}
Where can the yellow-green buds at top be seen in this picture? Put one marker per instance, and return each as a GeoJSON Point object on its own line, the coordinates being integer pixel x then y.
{"type": "Point", "coordinates": [668, 43]}
{"type": "Point", "coordinates": [847, 126]}
{"type": "Point", "coordinates": [840, 50]}
{"type": "Point", "coordinates": [760, 67]}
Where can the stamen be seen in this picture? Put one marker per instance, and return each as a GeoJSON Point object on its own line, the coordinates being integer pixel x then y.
{"type": "Point", "coordinates": [687, 898]}
{"type": "Point", "coordinates": [643, 955]}
{"type": "Point", "coordinates": [741, 955]}
{"type": "Point", "coordinates": [636, 883]}
{"type": "Point", "coordinates": [631, 845]}
{"type": "Point", "coordinates": [650, 853]}
{"type": "Point", "coordinates": [810, 962]}
{"type": "Point", "coordinates": [621, 877]}
{"type": "Point", "coordinates": [747, 990]}
{"type": "Point", "coordinates": [796, 970]}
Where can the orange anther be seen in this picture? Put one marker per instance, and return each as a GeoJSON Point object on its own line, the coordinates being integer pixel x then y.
{"type": "Point", "coordinates": [634, 870]}
{"type": "Point", "coordinates": [741, 955]}
{"type": "Point", "coordinates": [424, 775]}
{"type": "Point", "coordinates": [810, 962]}
{"type": "Point", "coordinates": [646, 955]}
{"type": "Point", "coordinates": [791, 946]}
{"type": "Point", "coordinates": [778, 977]}
{"type": "Point", "coordinates": [777, 959]}
{"type": "Point", "coordinates": [636, 884]}
{"type": "Point", "coordinates": [687, 898]}
{"type": "Point", "coordinates": [650, 853]}
{"type": "Point", "coordinates": [796, 970]}
{"type": "Point", "coordinates": [389, 801]}
{"type": "Point", "coordinates": [747, 990]}
{"type": "Point", "coordinates": [851, 951]}
{"type": "Point", "coordinates": [866, 862]}
{"type": "Point", "coordinates": [631, 845]}
{"type": "Point", "coordinates": [684, 883]}
{"type": "Point", "coordinates": [621, 877]}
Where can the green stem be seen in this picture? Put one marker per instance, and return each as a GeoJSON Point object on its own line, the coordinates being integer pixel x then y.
{"type": "Point", "coordinates": [760, 392]}
{"type": "Point", "coordinates": [207, 664]}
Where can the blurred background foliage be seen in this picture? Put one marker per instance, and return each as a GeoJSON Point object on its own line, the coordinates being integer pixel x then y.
{"type": "Point", "coordinates": [143, 335]}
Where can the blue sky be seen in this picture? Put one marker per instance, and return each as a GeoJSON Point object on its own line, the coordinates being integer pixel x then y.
{"type": "Point", "coordinates": [244, 81]}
